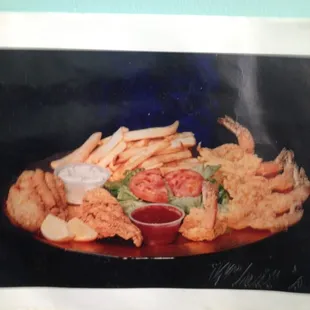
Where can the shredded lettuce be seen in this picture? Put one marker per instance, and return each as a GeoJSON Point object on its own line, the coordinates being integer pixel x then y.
{"type": "Point", "coordinates": [170, 193]}
{"type": "Point", "coordinates": [124, 193]}
{"type": "Point", "coordinates": [129, 202]}
{"type": "Point", "coordinates": [129, 175]}
{"type": "Point", "coordinates": [187, 203]}
{"type": "Point", "coordinates": [223, 199]}
{"type": "Point", "coordinates": [222, 208]}
{"type": "Point", "coordinates": [115, 187]}
{"type": "Point", "coordinates": [130, 205]}
{"type": "Point", "coordinates": [206, 171]}
{"type": "Point", "coordinates": [223, 195]}
{"type": "Point", "coordinates": [120, 190]}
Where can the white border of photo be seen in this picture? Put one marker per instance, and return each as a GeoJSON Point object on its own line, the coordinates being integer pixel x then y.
{"type": "Point", "coordinates": [150, 299]}
{"type": "Point", "coordinates": [164, 33]}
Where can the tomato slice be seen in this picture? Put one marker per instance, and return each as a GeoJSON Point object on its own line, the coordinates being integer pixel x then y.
{"type": "Point", "coordinates": [185, 183]}
{"type": "Point", "coordinates": [149, 186]}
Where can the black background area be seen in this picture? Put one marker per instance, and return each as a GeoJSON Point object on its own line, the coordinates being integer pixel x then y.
{"type": "Point", "coordinates": [52, 100]}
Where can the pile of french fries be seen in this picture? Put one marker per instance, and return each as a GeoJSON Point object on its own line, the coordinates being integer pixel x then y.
{"type": "Point", "coordinates": [158, 147]}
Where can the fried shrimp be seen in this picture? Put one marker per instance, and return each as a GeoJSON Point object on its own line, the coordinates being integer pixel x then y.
{"type": "Point", "coordinates": [263, 195]}
{"type": "Point", "coordinates": [269, 204]}
{"type": "Point", "coordinates": [245, 138]}
{"type": "Point", "coordinates": [202, 224]}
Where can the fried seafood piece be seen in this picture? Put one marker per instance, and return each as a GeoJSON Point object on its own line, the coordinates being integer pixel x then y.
{"type": "Point", "coordinates": [237, 161]}
{"type": "Point", "coordinates": [34, 195]}
{"type": "Point", "coordinates": [101, 211]}
{"type": "Point", "coordinates": [247, 164]}
{"type": "Point", "coordinates": [239, 157]}
{"type": "Point", "coordinates": [244, 187]}
{"type": "Point", "coordinates": [41, 187]}
{"type": "Point", "coordinates": [202, 224]}
{"type": "Point", "coordinates": [244, 136]}
{"type": "Point", "coordinates": [57, 188]}
{"type": "Point", "coordinates": [25, 208]}
{"type": "Point", "coordinates": [262, 208]}
{"type": "Point", "coordinates": [285, 181]}
{"type": "Point", "coordinates": [274, 213]}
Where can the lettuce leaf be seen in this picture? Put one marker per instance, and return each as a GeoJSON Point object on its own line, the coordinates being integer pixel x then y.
{"type": "Point", "coordinates": [130, 205]}
{"type": "Point", "coordinates": [223, 195]}
{"type": "Point", "coordinates": [206, 171]}
{"type": "Point", "coordinates": [115, 187]}
{"type": "Point", "coordinates": [129, 202]}
{"type": "Point", "coordinates": [120, 190]}
{"type": "Point", "coordinates": [186, 203]}
{"type": "Point", "coordinates": [124, 193]}
{"type": "Point", "coordinates": [222, 208]}
{"type": "Point", "coordinates": [129, 174]}
{"type": "Point", "coordinates": [223, 199]}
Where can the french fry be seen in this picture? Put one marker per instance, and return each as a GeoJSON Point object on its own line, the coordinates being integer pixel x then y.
{"type": "Point", "coordinates": [184, 141]}
{"type": "Point", "coordinates": [184, 134]}
{"type": "Point", "coordinates": [112, 166]}
{"type": "Point", "coordinates": [179, 142]}
{"type": "Point", "coordinates": [166, 158]}
{"type": "Point", "coordinates": [106, 160]}
{"type": "Point", "coordinates": [186, 161]}
{"type": "Point", "coordinates": [171, 150]}
{"type": "Point", "coordinates": [81, 153]}
{"type": "Point", "coordinates": [189, 161]}
{"type": "Point", "coordinates": [139, 143]}
{"type": "Point", "coordinates": [156, 140]}
{"type": "Point", "coordinates": [176, 136]}
{"type": "Point", "coordinates": [106, 139]}
{"type": "Point", "coordinates": [154, 167]}
{"type": "Point", "coordinates": [136, 160]}
{"type": "Point", "coordinates": [151, 133]}
{"type": "Point", "coordinates": [164, 170]}
{"type": "Point", "coordinates": [171, 164]}
{"type": "Point", "coordinates": [124, 129]}
{"type": "Point", "coordinates": [104, 149]}
{"type": "Point", "coordinates": [118, 174]}
{"type": "Point", "coordinates": [127, 154]}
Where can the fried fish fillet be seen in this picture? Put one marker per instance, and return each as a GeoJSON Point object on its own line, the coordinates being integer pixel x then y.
{"type": "Point", "coordinates": [101, 211]}
{"type": "Point", "coordinates": [25, 208]}
{"type": "Point", "coordinates": [34, 195]}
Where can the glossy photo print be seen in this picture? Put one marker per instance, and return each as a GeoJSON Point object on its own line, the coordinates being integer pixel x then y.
{"type": "Point", "coordinates": [144, 169]}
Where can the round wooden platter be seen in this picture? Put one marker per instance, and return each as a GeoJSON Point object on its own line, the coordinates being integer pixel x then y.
{"type": "Point", "coordinates": [181, 247]}
{"type": "Point", "coordinates": [116, 247]}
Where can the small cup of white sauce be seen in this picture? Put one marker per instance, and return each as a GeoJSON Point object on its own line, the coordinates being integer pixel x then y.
{"type": "Point", "coordinates": [80, 178]}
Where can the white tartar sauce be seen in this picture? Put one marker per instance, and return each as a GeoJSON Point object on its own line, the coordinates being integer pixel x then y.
{"type": "Point", "coordinates": [79, 178]}
{"type": "Point", "coordinates": [82, 173]}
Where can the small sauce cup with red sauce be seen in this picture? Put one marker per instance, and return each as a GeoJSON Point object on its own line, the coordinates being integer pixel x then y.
{"type": "Point", "coordinates": [158, 222]}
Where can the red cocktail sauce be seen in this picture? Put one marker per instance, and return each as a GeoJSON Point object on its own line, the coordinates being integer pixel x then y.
{"type": "Point", "coordinates": [159, 223]}
{"type": "Point", "coordinates": [156, 214]}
